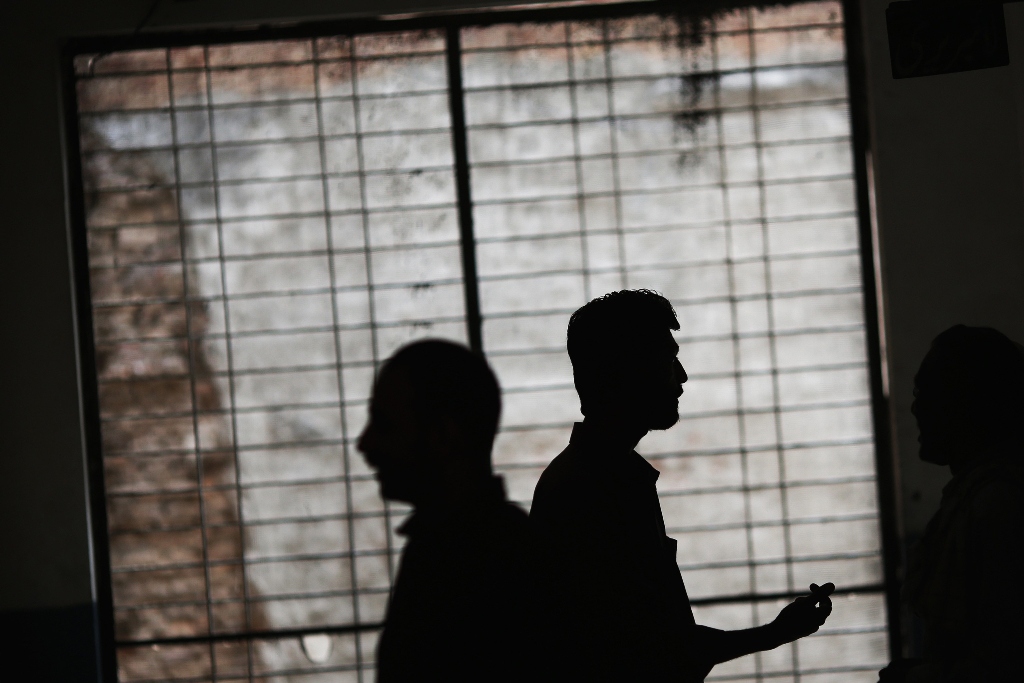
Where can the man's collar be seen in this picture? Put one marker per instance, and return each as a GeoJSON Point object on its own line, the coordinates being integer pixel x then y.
{"type": "Point", "coordinates": [624, 460]}
{"type": "Point", "coordinates": [488, 493]}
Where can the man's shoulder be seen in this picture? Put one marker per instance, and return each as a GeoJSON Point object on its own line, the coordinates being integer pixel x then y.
{"type": "Point", "coordinates": [565, 472]}
{"type": "Point", "coordinates": [510, 519]}
{"type": "Point", "coordinates": [569, 487]}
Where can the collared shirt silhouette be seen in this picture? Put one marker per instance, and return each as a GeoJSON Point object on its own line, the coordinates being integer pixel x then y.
{"type": "Point", "coordinates": [456, 610]}
{"type": "Point", "coordinates": [613, 601]}
{"type": "Point", "coordinates": [459, 605]}
{"type": "Point", "coordinates": [596, 509]}
{"type": "Point", "coordinates": [969, 405]}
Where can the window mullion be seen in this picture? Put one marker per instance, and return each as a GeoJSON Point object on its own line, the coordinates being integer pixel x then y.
{"type": "Point", "coordinates": [467, 241]}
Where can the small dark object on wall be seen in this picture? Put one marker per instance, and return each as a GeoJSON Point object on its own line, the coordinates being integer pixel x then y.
{"type": "Point", "coordinates": [927, 38]}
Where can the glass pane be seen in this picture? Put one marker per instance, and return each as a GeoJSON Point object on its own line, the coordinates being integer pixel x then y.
{"type": "Point", "coordinates": [268, 221]}
{"type": "Point", "coordinates": [612, 154]}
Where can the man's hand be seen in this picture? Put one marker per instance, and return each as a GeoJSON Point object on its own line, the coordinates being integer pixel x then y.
{"type": "Point", "coordinates": [805, 615]}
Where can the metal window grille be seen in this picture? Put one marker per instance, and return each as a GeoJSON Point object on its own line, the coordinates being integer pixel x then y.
{"type": "Point", "coordinates": [268, 221]}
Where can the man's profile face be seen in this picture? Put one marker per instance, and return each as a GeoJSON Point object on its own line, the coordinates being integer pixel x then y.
{"type": "Point", "coordinates": [663, 377]}
{"type": "Point", "coordinates": [936, 417]}
{"type": "Point", "coordinates": [651, 381]}
{"type": "Point", "coordinates": [392, 441]}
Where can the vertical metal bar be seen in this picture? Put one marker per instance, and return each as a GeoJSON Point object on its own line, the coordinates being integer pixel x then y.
{"type": "Point", "coordinates": [345, 440]}
{"type": "Point", "coordinates": [456, 106]}
{"type": "Point", "coordinates": [364, 215]}
{"type": "Point", "coordinates": [190, 340]}
{"type": "Point", "coordinates": [88, 383]}
{"type": "Point", "coordinates": [737, 357]}
{"type": "Point", "coordinates": [769, 304]}
{"type": "Point", "coordinates": [613, 132]}
{"type": "Point", "coordinates": [230, 356]}
{"type": "Point", "coordinates": [577, 153]}
{"type": "Point", "coordinates": [885, 461]}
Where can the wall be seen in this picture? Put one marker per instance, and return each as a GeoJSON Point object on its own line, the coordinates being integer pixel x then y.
{"type": "Point", "coordinates": [950, 202]}
{"type": "Point", "coordinates": [950, 207]}
{"type": "Point", "coordinates": [950, 210]}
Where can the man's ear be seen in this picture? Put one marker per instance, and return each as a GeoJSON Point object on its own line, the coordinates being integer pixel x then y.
{"type": "Point", "coordinates": [445, 437]}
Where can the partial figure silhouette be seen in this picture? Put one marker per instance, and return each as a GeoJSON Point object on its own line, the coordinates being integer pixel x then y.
{"type": "Point", "coordinates": [969, 405]}
{"type": "Point", "coordinates": [458, 607]}
{"type": "Point", "coordinates": [614, 604]}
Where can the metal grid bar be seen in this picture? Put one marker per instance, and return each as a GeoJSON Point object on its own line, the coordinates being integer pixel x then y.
{"type": "Point", "coordinates": [230, 364]}
{"type": "Point", "coordinates": [467, 239]}
{"type": "Point", "coordinates": [741, 418]}
{"type": "Point", "coordinates": [191, 374]}
{"type": "Point", "coordinates": [335, 322]}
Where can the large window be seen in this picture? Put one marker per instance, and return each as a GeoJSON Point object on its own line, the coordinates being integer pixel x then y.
{"type": "Point", "coordinates": [267, 221]}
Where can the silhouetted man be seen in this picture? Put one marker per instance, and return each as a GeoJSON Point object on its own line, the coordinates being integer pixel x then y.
{"type": "Point", "coordinates": [962, 576]}
{"type": "Point", "coordinates": [458, 606]}
{"type": "Point", "coordinates": [616, 606]}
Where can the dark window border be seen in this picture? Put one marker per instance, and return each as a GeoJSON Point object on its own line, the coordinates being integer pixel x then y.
{"type": "Point", "coordinates": [451, 23]}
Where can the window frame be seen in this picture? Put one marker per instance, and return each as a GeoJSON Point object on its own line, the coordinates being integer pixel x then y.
{"type": "Point", "coordinates": [451, 24]}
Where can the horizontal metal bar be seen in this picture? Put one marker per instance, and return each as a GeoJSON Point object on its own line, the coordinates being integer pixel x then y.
{"type": "Point", "coordinates": [271, 407]}
{"type": "Point", "coordinates": [237, 562]}
{"type": "Point", "coordinates": [270, 371]}
{"type": "Point", "coordinates": [508, 353]}
{"type": "Point", "coordinates": [262, 598]}
{"type": "Point", "coordinates": [760, 448]}
{"type": "Point", "coordinates": [413, 133]}
{"type": "Point", "coordinates": [552, 85]}
{"type": "Point", "coordinates": [724, 526]}
{"type": "Point", "coordinates": [789, 483]}
{"type": "Point", "coordinates": [511, 239]}
{"type": "Point", "coordinates": [853, 327]}
{"type": "Point", "coordinates": [311, 97]}
{"type": "Point", "coordinates": [792, 559]}
{"type": "Point", "coordinates": [514, 277]}
{"type": "Point", "coordinates": [378, 56]}
{"type": "Point", "coordinates": [717, 185]}
{"type": "Point", "coordinates": [697, 453]}
{"type": "Point", "coordinates": [284, 483]}
{"type": "Point", "coordinates": [358, 628]}
{"type": "Point", "coordinates": [760, 220]}
{"type": "Point", "coordinates": [787, 522]}
{"type": "Point", "coordinates": [770, 597]}
{"type": "Point", "coordinates": [253, 635]}
{"type": "Point", "coordinates": [666, 75]}
{"type": "Point", "coordinates": [504, 163]}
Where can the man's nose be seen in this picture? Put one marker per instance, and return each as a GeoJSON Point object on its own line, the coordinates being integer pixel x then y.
{"type": "Point", "coordinates": [681, 371]}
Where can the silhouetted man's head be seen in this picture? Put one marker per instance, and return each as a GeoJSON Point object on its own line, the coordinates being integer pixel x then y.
{"type": "Point", "coordinates": [433, 417]}
{"type": "Point", "coordinates": [968, 394]}
{"type": "Point", "coordinates": [624, 358]}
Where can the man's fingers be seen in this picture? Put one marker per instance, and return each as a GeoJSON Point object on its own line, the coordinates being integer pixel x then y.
{"type": "Point", "coordinates": [824, 590]}
{"type": "Point", "coordinates": [824, 609]}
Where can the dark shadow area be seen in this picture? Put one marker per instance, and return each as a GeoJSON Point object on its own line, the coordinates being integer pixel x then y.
{"type": "Point", "coordinates": [615, 606]}
{"type": "Point", "coordinates": [54, 644]}
{"type": "Point", "coordinates": [969, 405]}
{"type": "Point", "coordinates": [458, 610]}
